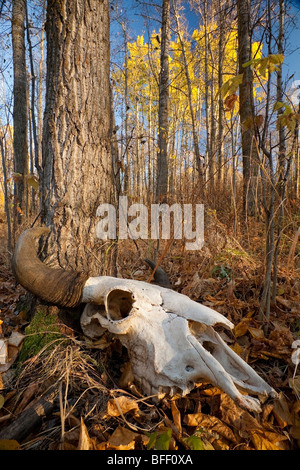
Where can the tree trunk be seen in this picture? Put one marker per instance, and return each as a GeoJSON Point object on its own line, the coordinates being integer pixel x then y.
{"type": "Point", "coordinates": [77, 164]}
{"type": "Point", "coordinates": [20, 111]}
{"type": "Point", "coordinates": [194, 127]}
{"type": "Point", "coordinates": [281, 184]}
{"type": "Point", "coordinates": [163, 113]}
{"type": "Point", "coordinates": [220, 143]}
{"type": "Point", "coordinates": [246, 106]}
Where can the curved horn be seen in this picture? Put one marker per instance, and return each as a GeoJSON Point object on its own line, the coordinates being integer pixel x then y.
{"type": "Point", "coordinates": [160, 277]}
{"type": "Point", "coordinates": [52, 285]}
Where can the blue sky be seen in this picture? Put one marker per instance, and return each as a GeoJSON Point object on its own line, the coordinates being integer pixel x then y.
{"type": "Point", "coordinates": [292, 59]}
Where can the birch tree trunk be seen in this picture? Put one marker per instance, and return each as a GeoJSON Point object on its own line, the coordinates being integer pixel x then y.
{"type": "Point", "coordinates": [77, 164]}
{"type": "Point", "coordinates": [194, 127]}
{"type": "Point", "coordinates": [220, 143]}
{"type": "Point", "coordinates": [163, 113]}
{"type": "Point", "coordinates": [20, 110]}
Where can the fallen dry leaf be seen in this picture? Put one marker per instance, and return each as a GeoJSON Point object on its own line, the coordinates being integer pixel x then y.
{"type": "Point", "coordinates": [256, 333]}
{"type": "Point", "coordinates": [127, 376]}
{"type": "Point", "coordinates": [242, 352]}
{"type": "Point", "coordinates": [29, 393]}
{"type": "Point", "coordinates": [12, 356]}
{"type": "Point", "coordinates": [211, 392]}
{"type": "Point", "coordinates": [236, 417]}
{"type": "Point", "coordinates": [85, 442]}
{"type": "Point", "coordinates": [16, 339]}
{"type": "Point", "coordinates": [176, 416]}
{"type": "Point", "coordinates": [122, 439]}
{"type": "Point", "coordinates": [241, 328]}
{"type": "Point", "coordinates": [294, 383]}
{"type": "Point", "coordinates": [281, 411]}
{"type": "Point", "coordinates": [9, 444]}
{"type": "Point", "coordinates": [3, 351]}
{"type": "Point", "coordinates": [295, 431]}
{"type": "Point", "coordinates": [210, 423]}
{"type": "Point", "coordinates": [122, 405]}
{"type": "Point", "coordinates": [266, 440]}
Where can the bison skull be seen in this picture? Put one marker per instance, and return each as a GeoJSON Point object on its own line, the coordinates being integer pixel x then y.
{"type": "Point", "coordinates": [170, 339]}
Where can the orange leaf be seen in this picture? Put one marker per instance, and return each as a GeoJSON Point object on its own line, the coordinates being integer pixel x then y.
{"type": "Point", "coordinates": [230, 101]}
{"type": "Point", "coordinates": [210, 423]}
{"type": "Point", "coordinates": [265, 440]}
{"type": "Point", "coordinates": [241, 328]}
{"type": "Point", "coordinates": [121, 405]}
{"type": "Point", "coordinates": [122, 439]}
{"type": "Point", "coordinates": [85, 443]}
{"type": "Point", "coordinates": [176, 416]}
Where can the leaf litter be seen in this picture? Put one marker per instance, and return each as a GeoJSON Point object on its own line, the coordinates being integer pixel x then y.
{"type": "Point", "coordinates": [98, 406]}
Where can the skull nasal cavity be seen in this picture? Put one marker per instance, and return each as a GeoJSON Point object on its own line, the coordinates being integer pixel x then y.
{"type": "Point", "coordinates": [119, 304]}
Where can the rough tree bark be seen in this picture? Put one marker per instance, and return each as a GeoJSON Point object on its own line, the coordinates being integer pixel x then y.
{"type": "Point", "coordinates": [246, 106]}
{"type": "Point", "coordinates": [77, 164]}
{"type": "Point", "coordinates": [163, 113]}
{"type": "Point", "coordinates": [20, 110]}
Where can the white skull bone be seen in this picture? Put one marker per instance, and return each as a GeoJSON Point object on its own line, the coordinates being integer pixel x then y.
{"type": "Point", "coordinates": [171, 340]}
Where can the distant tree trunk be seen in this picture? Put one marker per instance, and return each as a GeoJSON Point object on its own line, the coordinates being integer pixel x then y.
{"type": "Point", "coordinates": [77, 163]}
{"type": "Point", "coordinates": [6, 195]}
{"type": "Point", "coordinates": [220, 144]}
{"type": "Point", "coordinates": [163, 112]}
{"type": "Point", "coordinates": [20, 111]}
{"type": "Point", "coordinates": [194, 127]}
{"type": "Point", "coordinates": [281, 184]}
{"type": "Point", "coordinates": [246, 105]}
{"type": "Point", "coordinates": [125, 156]}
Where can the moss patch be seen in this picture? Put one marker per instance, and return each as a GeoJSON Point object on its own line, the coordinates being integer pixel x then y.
{"type": "Point", "coordinates": [43, 330]}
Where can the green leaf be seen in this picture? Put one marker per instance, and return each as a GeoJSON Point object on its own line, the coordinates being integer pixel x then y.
{"type": "Point", "coordinates": [194, 443]}
{"type": "Point", "coordinates": [264, 64]}
{"type": "Point", "coordinates": [163, 440]}
{"type": "Point", "coordinates": [33, 182]}
{"type": "Point", "coordinates": [152, 440]}
{"type": "Point", "coordinates": [231, 86]}
{"type": "Point", "coordinates": [276, 59]}
{"type": "Point", "coordinates": [278, 105]}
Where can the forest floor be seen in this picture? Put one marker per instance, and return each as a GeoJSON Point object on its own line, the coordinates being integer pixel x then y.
{"type": "Point", "coordinates": [87, 393]}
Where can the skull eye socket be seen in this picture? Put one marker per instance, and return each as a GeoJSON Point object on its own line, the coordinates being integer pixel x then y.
{"type": "Point", "coordinates": [119, 304]}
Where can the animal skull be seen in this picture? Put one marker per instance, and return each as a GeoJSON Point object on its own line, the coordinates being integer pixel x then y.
{"type": "Point", "coordinates": [170, 339]}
